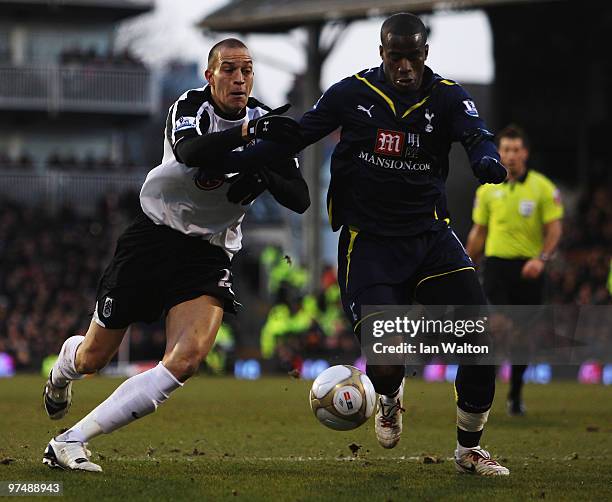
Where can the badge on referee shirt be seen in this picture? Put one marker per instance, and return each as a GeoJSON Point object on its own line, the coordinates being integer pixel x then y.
{"type": "Point", "coordinates": [526, 207]}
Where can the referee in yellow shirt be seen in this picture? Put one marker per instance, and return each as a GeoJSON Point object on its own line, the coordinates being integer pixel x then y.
{"type": "Point", "coordinates": [518, 225]}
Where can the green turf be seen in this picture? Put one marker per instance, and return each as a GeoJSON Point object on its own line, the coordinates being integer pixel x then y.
{"type": "Point", "coordinates": [223, 439]}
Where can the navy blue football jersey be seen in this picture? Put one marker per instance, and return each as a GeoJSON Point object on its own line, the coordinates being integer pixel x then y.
{"type": "Point", "coordinates": [389, 169]}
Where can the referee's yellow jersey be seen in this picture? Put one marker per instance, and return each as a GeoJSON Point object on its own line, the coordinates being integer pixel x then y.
{"type": "Point", "coordinates": [515, 213]}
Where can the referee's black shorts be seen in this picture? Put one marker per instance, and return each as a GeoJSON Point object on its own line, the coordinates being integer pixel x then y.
{"type": "Point", "coordinates": [504, 284]}
{"type": "Point", "coordinates": [155, 268]}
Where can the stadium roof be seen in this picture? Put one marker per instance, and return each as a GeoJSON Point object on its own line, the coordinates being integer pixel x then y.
{"type": "Point", "coordinates": [100, 10]}
{"type": "Point", "coordinates": [280, 15]}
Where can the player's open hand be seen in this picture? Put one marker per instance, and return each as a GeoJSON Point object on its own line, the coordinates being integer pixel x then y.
{"type": "Point", "coordinates": [273, 126]}
{"type": "Point", "coordinates": [490, 170]}
{"type": "Point", "coordinates": [532, 269]}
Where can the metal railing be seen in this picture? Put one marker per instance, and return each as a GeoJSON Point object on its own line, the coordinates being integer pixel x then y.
{"type": "Point", "coordinates": [77, 88]}
{"type": "Point", "coordinates": [53, 190]}
{"type": "Point", "coordinates": [83, 191]}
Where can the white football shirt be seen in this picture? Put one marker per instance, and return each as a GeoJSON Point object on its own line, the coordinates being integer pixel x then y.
{"type": "Point", "coordinates": [170, 196]}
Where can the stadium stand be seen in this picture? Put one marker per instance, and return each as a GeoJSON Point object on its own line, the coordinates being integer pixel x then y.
{"type": "Point", "coordinates": [51, 263]}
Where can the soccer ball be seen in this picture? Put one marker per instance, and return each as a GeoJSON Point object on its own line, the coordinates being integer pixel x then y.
{"type": "Point", "coordinates": [342, 398]}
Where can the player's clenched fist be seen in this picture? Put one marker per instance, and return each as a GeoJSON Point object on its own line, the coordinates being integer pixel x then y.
{"type": "Point", "coordinates": [273, 126]}
{"type": "Point", "coordinates": [490, 170]}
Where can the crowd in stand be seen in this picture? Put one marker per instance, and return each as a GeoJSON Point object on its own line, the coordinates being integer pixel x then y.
{"type": "Point", "coordinates": [89, 163]}
{"type": "Point", "coordinates": [50, 267]}
{"type": "Point", "coordinates": [300, 324]}
{"type": "Point", "coordinates": [23, 161]}
{"type": "Point", "coordinates": [79, 56]}
{"type": "Point", "coordinates": [51, 264]}
{"type": "Point", "coordinates": [581, 272]}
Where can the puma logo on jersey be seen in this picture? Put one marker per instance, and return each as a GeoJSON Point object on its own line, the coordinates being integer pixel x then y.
{"type": "Point", "coordinates": [365, 110]}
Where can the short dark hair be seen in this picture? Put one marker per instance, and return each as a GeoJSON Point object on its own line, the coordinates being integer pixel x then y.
{"type": "Point", "coordinates": [229, 43]}
{"type": "Point", "coordinates": [512, 131]}
{"type": "Point", "coordinates": [403, 24]}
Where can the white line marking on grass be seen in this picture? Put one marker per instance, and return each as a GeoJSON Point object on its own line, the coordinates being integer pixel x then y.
{"type": "Point", "coordinates": [404, 458]}
{"type": "Point", "coordinates": [331, 459]}
{"type": "Point", "coordinates": [267, 459]}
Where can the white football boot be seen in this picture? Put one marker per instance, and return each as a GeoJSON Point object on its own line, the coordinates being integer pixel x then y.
{"type": "Point", "coordinates": [479, 461]}
{"type": "Point", "coordinates": [57, 400]}
{"type": "Point", "coordinates": [70, 455]}
{"type": "Point", "coordinates": [388, 423]}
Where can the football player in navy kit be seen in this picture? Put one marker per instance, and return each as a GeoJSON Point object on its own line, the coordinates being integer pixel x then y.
{"type": "Point", "coordinates": [387, 198]}
{"type": "Point", "coordinates": [174, 260]}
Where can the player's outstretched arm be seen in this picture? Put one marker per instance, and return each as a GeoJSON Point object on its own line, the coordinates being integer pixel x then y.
{"type": "Point", "coordinates": [199, 150]}
{"type": "Point", "coordinates": [483, 155]}
{"type": "Point", "coordinates": [282, 178]}
{"type": "Point", "coordinates": [322, 119]}
{"type": "Point", "coordinates": [273, 127]}
{"type": "Point", "coordinates": [286, 184]}
{"type": "Point", "coordinates": [259, 154]}
{"type": "Point", "coordinates": [469, 128]}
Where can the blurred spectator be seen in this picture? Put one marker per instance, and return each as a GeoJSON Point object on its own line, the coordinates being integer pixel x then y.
{"type": "Point", "coordinates": [580, 273]}
{"type": "Point", "coordinates": [90, 163]}
{"type": "Point", "coordinates": [23, 161]}
{"type": "Point", "coordinates": [5, 160]}
{"type": "Point", "coordinates": [71, 162]}
{"type": "Point", "coordinates": [300, 326]}
{"type": "Point", "coordinates": [79, 56]}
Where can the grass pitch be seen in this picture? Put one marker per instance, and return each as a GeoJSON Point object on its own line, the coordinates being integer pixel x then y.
{"type": "Point", "coordinates": [224, 439]}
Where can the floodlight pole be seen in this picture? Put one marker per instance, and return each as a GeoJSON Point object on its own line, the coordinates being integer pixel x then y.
{"type": "Point", "coordinates": [312, 159]}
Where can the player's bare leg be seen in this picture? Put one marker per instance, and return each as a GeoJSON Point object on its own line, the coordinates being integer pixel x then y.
{"type": "Point", "coordinates": [191, 329]}
{"type": "Point", "coordinates": [79, 356]}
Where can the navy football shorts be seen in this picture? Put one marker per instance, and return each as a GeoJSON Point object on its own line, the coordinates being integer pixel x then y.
{"type": "Point", "coordinates": [404, 262]}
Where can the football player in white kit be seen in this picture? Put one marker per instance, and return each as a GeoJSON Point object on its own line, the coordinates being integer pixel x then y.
{"type": "Point", "coordinates": [175, 258]}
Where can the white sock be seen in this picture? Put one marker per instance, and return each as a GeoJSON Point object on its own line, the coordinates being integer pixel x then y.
{"type": "Point", "coordinates": [389, 399]}
{"type": "Point", "coordinates": [463, 449]}
{"type": "Point", "coordinates": [138, 396]}
{"type": "Point", "coordinates": [392, 398]}
{"type": "Point", "coordinates": [63, 370]}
